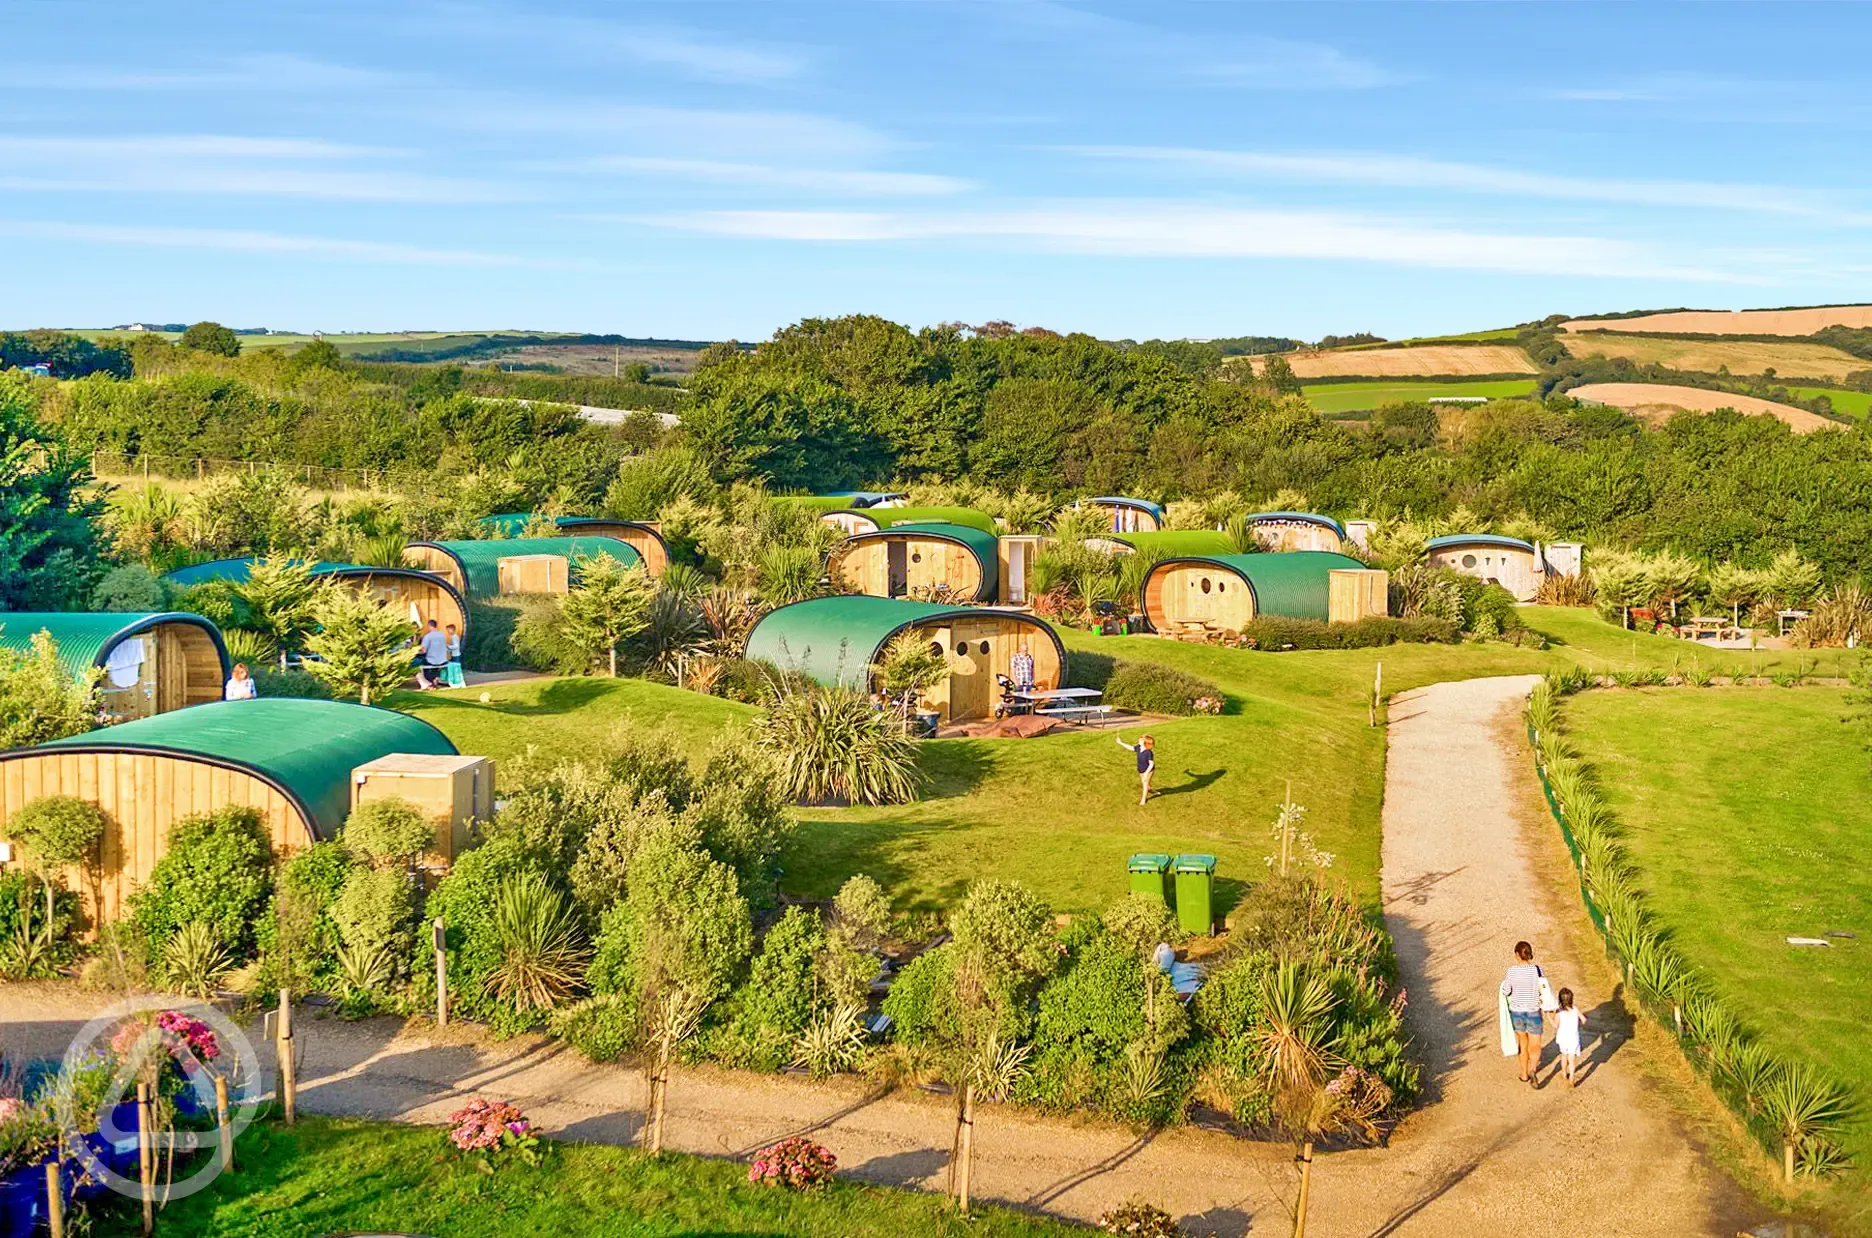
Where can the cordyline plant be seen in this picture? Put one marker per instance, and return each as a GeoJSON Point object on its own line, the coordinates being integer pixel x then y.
{"type": "Point", "coordinates": [833, 748]}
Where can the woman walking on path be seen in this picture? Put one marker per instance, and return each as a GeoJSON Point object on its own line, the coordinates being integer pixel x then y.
{"type": "Point", "coordinates": [1523, 987]}
{"type": "Point", "coordinates": [1146, 750]}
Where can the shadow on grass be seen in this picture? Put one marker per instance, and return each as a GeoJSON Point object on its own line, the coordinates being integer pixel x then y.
{"type": "Point", "coordinates": [826, 851]}
{"type": "Point", "coordinates": [560, 696]}
{"type": "Point", "coordinates": [1196, 783]}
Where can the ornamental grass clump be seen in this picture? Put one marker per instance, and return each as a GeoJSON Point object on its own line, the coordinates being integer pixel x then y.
{"type": "Point", "coordinates": [493, 1131]}
{"type": "Point", "coordinates": [831, 747]}
{"type": "Point", "coordinates": [798, 1164]}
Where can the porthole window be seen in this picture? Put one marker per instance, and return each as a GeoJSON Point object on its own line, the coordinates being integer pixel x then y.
{"type": "Point", "coordinates": [936, 648]}
{"type": "Point", "coordinates": [1221, 586]}
{"type": "Point", "coordinates": [1205, 584]}
{"type": "Point", "coordinates": [962, 649]}
{"type": "Point", "coordinates": [916, 556]}
{"type": "Point", "coordinates": [984, 648]}
{"type": "Point", "coordinates": [1468, 560]}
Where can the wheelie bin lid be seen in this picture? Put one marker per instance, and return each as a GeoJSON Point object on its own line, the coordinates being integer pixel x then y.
{"type": "Point", "coordinates": [1195, 864]}
{"type": "Point", "coordinates": [1149, 862]}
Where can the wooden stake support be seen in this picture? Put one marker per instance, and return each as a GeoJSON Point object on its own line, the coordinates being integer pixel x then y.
{"type": "Point", "coordinates": [221, 1123]}
{"type": "Point", "coordinates": [146, 1156]}
{"type": "Point", "coordinates": [55, 1197]}
{"type": "Point", "coordinates": [289, 1082]}
{"type": "Point", "coordinates": [441, 962]}
{"type": "Point", "coordinates": [1306, 1185]}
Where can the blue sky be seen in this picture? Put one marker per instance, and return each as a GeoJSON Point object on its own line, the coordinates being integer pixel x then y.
{"type": "Point", "coordinates": [708, 170]}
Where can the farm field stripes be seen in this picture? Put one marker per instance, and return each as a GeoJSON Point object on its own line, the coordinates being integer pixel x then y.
{"type": "Point", "coordinates": [1735, 322]}
{"type": "Point", "coordinates": [1405, 362]}
{"type": "Point", "coordinates": [1331, 398]}
{"type": "Point", "coordinates": [1758, 830]}
{"type": "Point", "coordinates": [1656, 402]}
{"type": "Point", "coordinates": [1795, 359]}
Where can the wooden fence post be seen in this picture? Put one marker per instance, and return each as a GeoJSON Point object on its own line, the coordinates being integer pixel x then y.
{"type": "Point", "coordinates": [55, 1197]}
{"type": "Point", "coordinates": [146, 1156]}
{"type": "Point", "coordinates": [441, 961]}
{"type": "Point", "coordinates": [1306, 1183]}
{"type": "Point", "coordinates": [221, 1122]}
{"type": "Point", "coordinates": [289, 1089]}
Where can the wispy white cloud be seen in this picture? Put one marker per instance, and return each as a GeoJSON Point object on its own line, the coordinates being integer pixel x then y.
{"type": "Point", "coordinates": [267, 72]}
{"type": "Point", "coordinates": [1407, 172]}
{"type": "Point", "coordinates": [248, 242]}
{"type": "Point", "coordinates": [674, 132]}
{"type": "Point", "coordinates": [210, 164]}
{"type": "Point", "coordinates": [846, 182]}
{"type": "Point", "coordinates": [711, 56]}
{"type": "Point", "coordinates": [1182, 230]}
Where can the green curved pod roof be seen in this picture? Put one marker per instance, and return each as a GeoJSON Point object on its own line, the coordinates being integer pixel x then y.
{"type": "Point", "coordinates": [512, 524]}
{"type": "Point", "coordinates": [1326, 522]}
{"type": "Point", "coordinates": [306, 749]}
{"type": "Point", "coordinates": [85, 640]}
{"type": "Point", "coordinates": [835, 640]}
{"type": "Point", "coordinates": [889, 517]}
{"type": "Point", "coordinates": [238, 570]}
{"type": "Point", "coordinates": [986, 548]}
{"type": "Point", "coordinates": [479, 561]}
{"type": "Point", "coordinates": [1451, 540]}
{"type": "Point", "coordinates": [1175, 542]}
{"type": "Point", "coordinates": [1296, 584]}
{"type": "Point", "coordinates": [1119, 500]}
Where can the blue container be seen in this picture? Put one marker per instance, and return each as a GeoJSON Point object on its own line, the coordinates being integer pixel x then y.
{"type": "Point", "coordinates": [19, 1195]}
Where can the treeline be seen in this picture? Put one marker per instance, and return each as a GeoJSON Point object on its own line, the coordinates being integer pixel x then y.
{"type": "Point", "coordinates": [488, 345]}
{"type": "Point", "coordinates": [66, 355]}
{"type": "Point", "coordinates": [840, 403]}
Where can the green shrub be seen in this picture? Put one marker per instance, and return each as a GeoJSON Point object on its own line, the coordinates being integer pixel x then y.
{"type": "Point", "coordinates": [22, 922]}
{"type": "Point", "coordinates": [1275, 633]}
{"type": "Point", "coordinates": [129, 588]}
{"type": "Point", "coordinates": [40, 699]}
{"type": "Point", "coordinates": [375, 909]}
{"type": "Point", "coordinates": [465, 901]}
{"type": "Point", "coordinates": [779, 998]}
{"type": "Point", "coordinates": [831, 747]}
{"type": "Point", "coordinates": [1152, 688]}
{"type": "Point", "coordinates": [543, 640]}
{"type": "Point", "coordinates": [298, 937]}
{"type": "Point", "coordinates": [389, 831]}
{"type": "Point", "coordinates": [921, 1001]}
{"type": "Point", "coordinates": [272, 681]}
{"type": "Point", "coordinates": [681, 925]}
{"type": "Point", "coordinates": [217, 872]}
{"type": "Point", "coordinates": [488, 645]}
{"type": "Point", "coordinates": [742, 816]}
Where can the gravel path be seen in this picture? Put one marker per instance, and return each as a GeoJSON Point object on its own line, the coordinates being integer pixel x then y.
{"type": "Point", "coordinates": [1464, 877]}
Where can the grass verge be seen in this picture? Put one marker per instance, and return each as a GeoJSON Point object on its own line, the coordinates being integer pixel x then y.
{"type": "Point", "coordinates": [1331, 398]}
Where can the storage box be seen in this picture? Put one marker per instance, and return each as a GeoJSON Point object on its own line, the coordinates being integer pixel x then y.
{"type": "Point", "coordinates": [534, 574]}
{"type": "Point", "coordinates": [454, 792]}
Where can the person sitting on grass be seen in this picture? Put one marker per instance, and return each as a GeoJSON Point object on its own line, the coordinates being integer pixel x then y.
{"type": "Point", "coordinates": [1146, 750]}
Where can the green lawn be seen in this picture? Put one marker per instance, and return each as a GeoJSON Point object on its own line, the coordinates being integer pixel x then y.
{"type": "Point", "coordinates": [328, 1176]}
{"type": "Point", "coordinates": [1061, 813]}
{"type": "Point", "coordinates": [1331, 398]}
{"type": "Point", "coordinates": [1851, 403]}
{"type": "Point", "coordinates": [1747, 811]}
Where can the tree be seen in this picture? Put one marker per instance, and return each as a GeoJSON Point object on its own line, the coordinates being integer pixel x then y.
{"type": "Point", "coordinates": [1790, 580]}
{"type": "Point", "coordinates": [283, 596]}
{"type": "Point", "coordinates": [59, 831]}
{"type": "Point", "coordinates": [318, 355]}
{"type": "Point", "coordinates": [610, 604]}
{"type": "Point", "coordinates": [1734, 587]}
{"type": "Point", "coordinates": [40, 699]}
{"type": "Point", "coordinates": [48, 551]}
{"type": "Point", "coordinates": [909, 665]}
{"type": "Point", "coordinates": [362, 647]}
{"type": "Point", "coordinates": [213, 338]}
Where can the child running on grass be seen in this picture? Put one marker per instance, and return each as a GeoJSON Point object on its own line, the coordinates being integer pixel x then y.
{"type": "Point", "coordinates": [1146, 750]}
{"type": "Point", "coordinates": [1568, 1021]}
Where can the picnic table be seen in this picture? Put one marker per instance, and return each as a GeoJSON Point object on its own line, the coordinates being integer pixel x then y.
{"type": "Point", "coordinates": [1069, 704]}
{"type": "Point", "coordinates": [1706, 627]}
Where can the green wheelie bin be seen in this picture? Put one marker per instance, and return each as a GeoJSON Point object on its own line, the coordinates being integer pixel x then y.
{"type": "Point", "coordinates": [1195, 893]}
{"type": "Point", "coordinates": [1150, 876]}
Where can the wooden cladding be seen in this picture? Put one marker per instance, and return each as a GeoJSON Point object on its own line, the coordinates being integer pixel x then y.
{"type": "Point", "coordinates": [1285, 535]}
{"type": "Point", "coordinates": [1353, 595]}
{"type": "Point", "coordinates": [535, 574]}
{"type": "Point", "coordinates": [143, 795]}
{"type": "Point", "coordinates": [907, 565]}
{"type": "Point", "coordinates": [180, 667]}
{"type": "Point", "coordinates": [977, 650]}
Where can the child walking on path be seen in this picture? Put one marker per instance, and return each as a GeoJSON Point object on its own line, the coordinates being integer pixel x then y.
{"type": "Point", "coordinates": [1568, 1021]}
{"type": "Point", "coordinates": [1146, 750]}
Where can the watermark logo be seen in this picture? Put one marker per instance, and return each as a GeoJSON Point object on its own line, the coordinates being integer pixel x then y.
{"type": "Point", "coordinates": [178, 1048]}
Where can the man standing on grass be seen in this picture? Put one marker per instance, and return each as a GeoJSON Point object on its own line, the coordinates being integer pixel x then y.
{"type": "Point", "coordinates": [435, 655]}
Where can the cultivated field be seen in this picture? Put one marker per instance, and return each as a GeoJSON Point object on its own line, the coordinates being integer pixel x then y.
{"type": "Point", "coordinates": [1334, 398]}
{"type": "Point", "coordinates": [1758, 831]}
{"type": "Point", "coordinates": [1656, 402]}
{"type": "Point", "coordinates": [1793, 360]}
{"type": "Point", "coordinates": [1851, 403]}
{"type": "Point", "coordinates": [1736, 322]}
{"type": "Point", "coordinates": [599, 359]}
{"type": "Point", "coordinates": [1404, 362]}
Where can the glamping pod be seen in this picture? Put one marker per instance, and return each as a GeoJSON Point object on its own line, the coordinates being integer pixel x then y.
{"type": "Point", "coordinates": [1213, 593]}
{"type": "Point", "coordinates": [907, 558]}
{"type": "Point", "coordinates": [152, 664]}
{"type": "Point", "coordinates": [1128, 515]}
{"type": "Point", "coordinates": [290, 760]}
{"type": "Point", "coordinates": [1284, 531]}
{"type": "Point", "coordinates": [1515, 565]}
{"type": "Point", "coordinates": [871, 519]}
{"type": "Point", "coordinates": [845, 500]}
{"type": "Point", "coordinates": [836, 640]}
{"type": "Point", "coordinates": [645, 539]}
{"type": "Point", "coordinates": [498, 566]}
{"type": "Point", "coordinates": [423, 595]}
{"type": "Point", "coordinates": [1166, 543]}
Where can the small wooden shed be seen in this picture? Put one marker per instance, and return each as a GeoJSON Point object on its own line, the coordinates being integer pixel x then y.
{"type": "Point", "coordinates": [420, 595]}
{"type": "Point", "coordinates": [152, 663]}
{"type": "Point", "coordinates": [291, 760]}
{"type": "Point", "coordinates": [836, 640]}
{"type": "Point", "coordinates": [872, 519]}
{"type": "Point", "coordinates": [1129, 515]}
{"type": "Point", "coordinates": [895, 561]}
{"type": "Point", "coordinates": [646, 538]}
{"type": "Point", "coordinates": [1513, 564]}
{"type": "Point", "coordinates": [1226, 592]}
{"type": "Point", "coordinates": [481, 569]}
{"type": "Point", "coordinates": [1286, 531]}
{"type": "Point", "coordinates": [456, 793]}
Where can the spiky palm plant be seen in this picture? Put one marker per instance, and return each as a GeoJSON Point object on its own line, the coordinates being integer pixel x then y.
{"type": "Point", "coordinates": [789, 574]}
{"type": "Point", "coordinates": [1802, 1104]}
{"type": "Point", "coordinates": [249, 647]}
{"type": "Point", "coordinates": [194, 960]}
{"type": "Point", "coordinates": [1297, 1005]}
{"type": "Point", "coordinates": [1242, 535]}
{"type": "Point", "coordinates": [833, 1042]}
{"type": "Point", "coordinates": [832, 747]}
{"type": "Point", "coordinates": [541, 954]}
{"type": "Point", "coordinates": [364, 967]}
{"type": "Point", "coordinates": [1748, 1068]}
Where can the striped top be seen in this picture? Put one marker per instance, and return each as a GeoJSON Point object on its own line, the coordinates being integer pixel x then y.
{"type": "Point", "coordinates": [1522, 985]}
